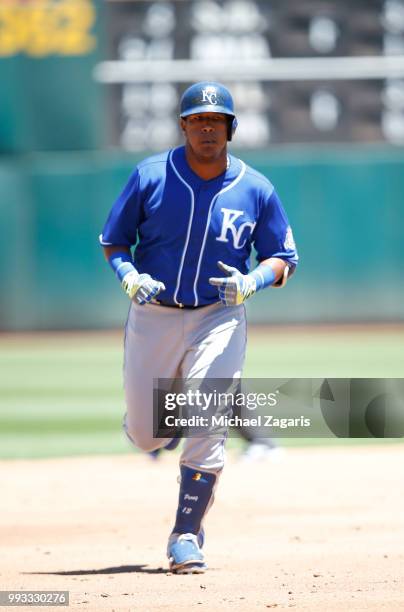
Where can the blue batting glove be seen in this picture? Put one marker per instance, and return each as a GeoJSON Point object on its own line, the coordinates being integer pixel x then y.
{"type": "Point", "coordinates": [236, 287]}
{"type": "Point", "coordinates": [141, 287]}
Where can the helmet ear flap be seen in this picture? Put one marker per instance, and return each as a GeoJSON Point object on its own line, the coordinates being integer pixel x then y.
{"type": "Point", "coordinates": [232, 124]}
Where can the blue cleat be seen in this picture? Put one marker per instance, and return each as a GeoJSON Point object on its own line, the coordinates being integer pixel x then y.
{"type": "Point", "coordinates": [185, 555]}
{"type": "Point", "coordinates": [154, 454]}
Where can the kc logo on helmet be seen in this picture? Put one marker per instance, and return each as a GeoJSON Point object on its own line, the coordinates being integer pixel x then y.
{"type": "Point", "coordinates": [209, 95]}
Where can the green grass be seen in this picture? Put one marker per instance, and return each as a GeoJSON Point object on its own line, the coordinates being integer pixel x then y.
{"type": "Point", "coordinates": [62, 394]}
{"type": "Point", "coordinates": [345, 352]}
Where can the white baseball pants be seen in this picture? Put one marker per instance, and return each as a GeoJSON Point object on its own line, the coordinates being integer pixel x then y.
{"type": "Point", "coordinates": [164, 342]}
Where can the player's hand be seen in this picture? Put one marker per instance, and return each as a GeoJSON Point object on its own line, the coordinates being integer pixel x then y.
{"type": "Point", "coordinates": [235, 288]}
{"type": "Point", "coordinates": [141, 287]}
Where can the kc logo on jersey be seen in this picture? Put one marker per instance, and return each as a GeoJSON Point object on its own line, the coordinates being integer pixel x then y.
{"type": "Point", "coordinates": [229, 217]}
{"type": "Point", "coordinates": [209, 95]}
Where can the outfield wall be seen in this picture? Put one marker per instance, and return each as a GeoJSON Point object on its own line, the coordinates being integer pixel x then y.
{"type": "Point", "coordinates": [346, 207]}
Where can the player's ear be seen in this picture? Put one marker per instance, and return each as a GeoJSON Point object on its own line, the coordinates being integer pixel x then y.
{"type": "Point", "coordinates": [182, 124]}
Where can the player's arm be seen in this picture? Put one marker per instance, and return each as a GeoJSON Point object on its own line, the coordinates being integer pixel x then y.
{"type": "Point", "coordinates": [272, 236]}
{"type": "Point", "coordinates": [111, 250]}
{"type": "Point", "coordinates": [141, 287]}
{"type": "Point", "coordinates": [280, 269]}
{"type": "Point", "coordinates": [120, 231]}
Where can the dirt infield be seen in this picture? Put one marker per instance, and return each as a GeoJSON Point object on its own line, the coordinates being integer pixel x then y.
{"type": "Point", "coordinates": [322, 530]}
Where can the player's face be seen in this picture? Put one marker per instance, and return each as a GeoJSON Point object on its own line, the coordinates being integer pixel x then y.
{"type": "Point", "coordinates": [206, 133]}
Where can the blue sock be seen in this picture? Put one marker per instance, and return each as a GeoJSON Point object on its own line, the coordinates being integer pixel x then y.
{"type": "Point", "coordinates": [195, 493]}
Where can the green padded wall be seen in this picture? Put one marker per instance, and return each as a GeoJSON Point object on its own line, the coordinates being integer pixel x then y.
{"type": "Point", "coordinates": [346, 207]}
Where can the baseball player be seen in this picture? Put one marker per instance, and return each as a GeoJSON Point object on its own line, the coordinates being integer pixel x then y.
{"type": "Point", "coordinates": [193, 215]}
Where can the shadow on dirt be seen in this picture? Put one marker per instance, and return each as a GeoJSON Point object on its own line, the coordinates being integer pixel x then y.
{"type": "Point", "coordinates": [121, 569]}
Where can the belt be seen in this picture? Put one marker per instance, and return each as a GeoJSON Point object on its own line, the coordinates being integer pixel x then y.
{"type": "Point", "coordinates": [186, 306]}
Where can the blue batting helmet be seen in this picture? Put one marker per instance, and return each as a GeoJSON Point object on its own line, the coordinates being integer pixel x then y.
{"type": "Point", "coordinates": [209, 97]}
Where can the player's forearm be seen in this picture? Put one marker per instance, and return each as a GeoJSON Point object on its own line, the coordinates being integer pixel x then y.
{"type": "Point", "coordinates": [141, 287]}
{"type": "Point", "coordinates": [111, 250]}
{"type": "Point", "coordinates": [272, 276]}
{"type": "Point", "coordinates": [120, 260]}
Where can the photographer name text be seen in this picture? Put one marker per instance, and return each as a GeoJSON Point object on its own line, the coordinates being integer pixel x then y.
{"type": "Point", "coordinates": [260, 420]}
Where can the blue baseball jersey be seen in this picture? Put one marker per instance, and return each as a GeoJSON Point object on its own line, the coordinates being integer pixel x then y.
{"type": "Point", "coordinates": [182, 225]}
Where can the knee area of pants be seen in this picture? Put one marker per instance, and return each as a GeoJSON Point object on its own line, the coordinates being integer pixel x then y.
{"type": "Point", "coordinates": [146, 444]}
{"type": "Point", "coordinates": [215, 469]}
